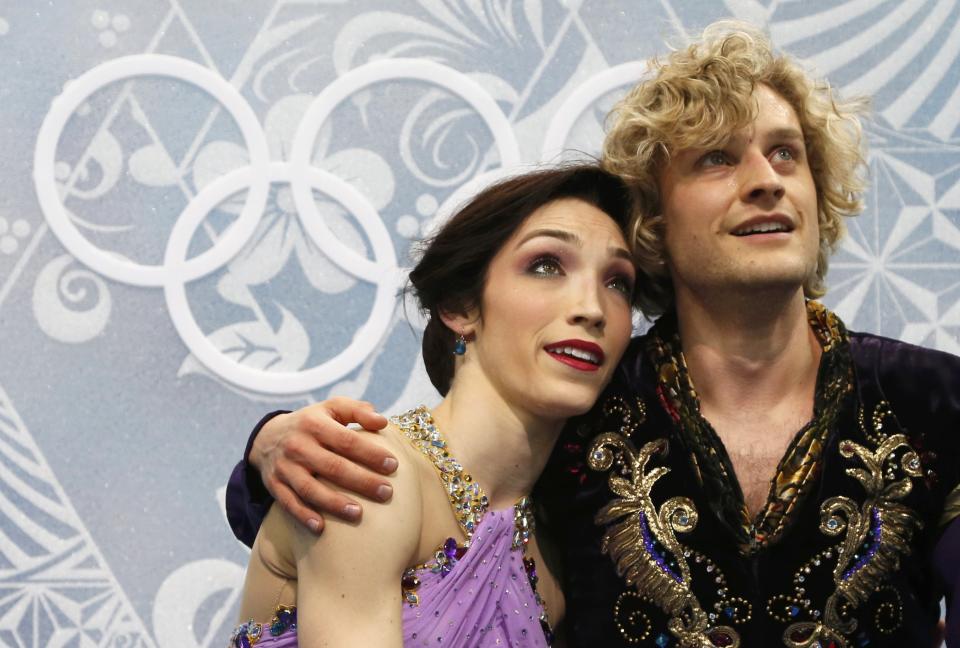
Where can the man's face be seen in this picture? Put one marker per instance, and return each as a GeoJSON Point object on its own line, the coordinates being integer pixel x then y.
{"type": "Point", "coordinates": [743, 216]}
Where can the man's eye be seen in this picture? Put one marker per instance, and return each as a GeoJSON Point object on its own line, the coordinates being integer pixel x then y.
{"type": "Point", "coordinates": [784, 154]}
{"type": "Point", "coordinates": [546, 266]}
{"type": "Point", "coordinates": [714, 158]}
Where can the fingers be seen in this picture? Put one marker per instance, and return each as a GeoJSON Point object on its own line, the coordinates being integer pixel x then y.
{"type": "Point", "coordinates": [352, 446]}
{"type": "Point", "coordinates": [371, 419]}
{"type": "Point", "coordinates": [347, 410]}
{"type": "Point", "coordinates": [336, 465]}
{"type": "Point", "coordinates": [290, 503]}
{"type": "Point", "coordinates": [309, 498]}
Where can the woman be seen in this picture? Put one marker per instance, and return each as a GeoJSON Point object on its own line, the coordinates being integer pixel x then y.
{"type": "Point", "coordinates": [529, 289]}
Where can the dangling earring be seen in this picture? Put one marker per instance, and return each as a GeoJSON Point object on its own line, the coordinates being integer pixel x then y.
{"type": "Point", "coordinates": [460, 346]}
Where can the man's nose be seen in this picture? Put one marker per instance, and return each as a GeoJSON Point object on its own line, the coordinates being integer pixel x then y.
{"type": "Point", "coordinates": [760, 180]}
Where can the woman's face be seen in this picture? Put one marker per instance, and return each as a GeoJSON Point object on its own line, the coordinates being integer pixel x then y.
{"type": "Point", "coordinates": [556, 310]}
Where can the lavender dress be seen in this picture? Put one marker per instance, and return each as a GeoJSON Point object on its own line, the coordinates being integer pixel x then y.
{"type": "Point", "coordinates": [481, 593]}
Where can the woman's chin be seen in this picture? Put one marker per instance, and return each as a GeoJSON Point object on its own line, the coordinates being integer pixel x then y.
{"type": "Point", "coordinates": [571, 403]}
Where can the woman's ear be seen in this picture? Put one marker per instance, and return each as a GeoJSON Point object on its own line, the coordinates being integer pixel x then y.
{"type": "Point", "coordinates": [461, 323]}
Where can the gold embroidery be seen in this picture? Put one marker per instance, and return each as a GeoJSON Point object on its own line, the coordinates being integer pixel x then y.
{"type": "Point", "coordinates": [876, 533]}
{"type": "Point", "coordinates": [632, 622]}
{"type": "Point", "coordinates": [642, 540]}
{"type": "Point", "coordinates": [800, 465]}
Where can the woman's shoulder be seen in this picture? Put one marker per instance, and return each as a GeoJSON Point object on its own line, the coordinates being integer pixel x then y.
{"type": "Point", "coordinates": [391, 529]}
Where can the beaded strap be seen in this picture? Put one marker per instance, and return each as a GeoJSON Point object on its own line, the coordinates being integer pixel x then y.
{"type": "Point", "coordinates": [469, 504]}
{"type": "Point", "coordinates": [466, 497]}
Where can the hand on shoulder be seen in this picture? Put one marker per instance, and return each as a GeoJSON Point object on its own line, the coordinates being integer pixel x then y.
{"type": "Point", "coordinates": [290, 449]}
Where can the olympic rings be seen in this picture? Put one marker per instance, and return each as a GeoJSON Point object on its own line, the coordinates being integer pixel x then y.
{"type": "Point", "coordinates": [573, 106]}
{"type": "Point", "coordinates": [177, 270]}
{"type": "Point", "coordinates": [123, 270]}
{"type": "Point", "coordinates": [368, 74]}
{"type": "Point", "coordinates": [364, 340]}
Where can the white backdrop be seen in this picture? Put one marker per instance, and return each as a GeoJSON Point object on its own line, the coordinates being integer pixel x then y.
{"type": "Point", "coordinates": [206, 209]}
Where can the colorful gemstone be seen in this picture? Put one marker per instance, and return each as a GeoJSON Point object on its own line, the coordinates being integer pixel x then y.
{"type": "Point", "coordinates": [801, 634]}
{"type": "Point", "coordinates": [720, 638]}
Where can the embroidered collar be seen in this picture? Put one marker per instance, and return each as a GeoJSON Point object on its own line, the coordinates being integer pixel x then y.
{"type": "Point", "coordinates": [801, 462]}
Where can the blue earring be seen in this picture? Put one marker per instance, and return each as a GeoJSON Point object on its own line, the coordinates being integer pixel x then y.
{"type": "Point", "coordinates": [460, 346]}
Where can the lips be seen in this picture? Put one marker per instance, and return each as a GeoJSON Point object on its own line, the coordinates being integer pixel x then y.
{"type": "Point", "coordinates": [579, 354]}
{"type": "Point", "coordinates": [767, 224]}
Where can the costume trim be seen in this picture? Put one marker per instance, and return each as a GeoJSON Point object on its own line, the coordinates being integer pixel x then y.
{"type": "Point", "coordinates": [800, 464]}
{"type": "Point", "coordinates": [469, 505]}
{"type": "Point", "coordinates": [642, 539]}
{"type": "Point", "coordinates": [875, 534]}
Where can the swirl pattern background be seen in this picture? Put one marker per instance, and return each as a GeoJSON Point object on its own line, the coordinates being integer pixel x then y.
{"type": "Point", "coordinates": [207, 209]}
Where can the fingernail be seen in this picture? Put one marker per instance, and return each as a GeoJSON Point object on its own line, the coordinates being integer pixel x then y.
{"type": "Point", "coordinates": [351, 511]}
{"type": "Point", "coordinates": [314, 525]}
{"type": "Point", "coordinates": [389, 465]}
{"type": "Point", "coordinates": [384, 492]}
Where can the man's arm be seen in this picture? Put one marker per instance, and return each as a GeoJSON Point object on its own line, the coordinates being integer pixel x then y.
{"type": "Point", "coordinates": [247, 501]}
{"type": "Point", "coordinates": [285, 452]}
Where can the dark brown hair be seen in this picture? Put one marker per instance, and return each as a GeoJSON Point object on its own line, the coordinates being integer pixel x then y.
{"type": "Point", "coordinates": [452, 271]}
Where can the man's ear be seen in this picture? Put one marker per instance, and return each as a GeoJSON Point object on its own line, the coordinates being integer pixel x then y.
{"type": "Point", "coordinates": [461, 322]}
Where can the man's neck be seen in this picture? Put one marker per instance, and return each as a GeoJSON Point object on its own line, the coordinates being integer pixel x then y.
{"type": "Point", "coordinates": [751, 354]}
{"type": "Point", "coordinates": [502, 446]}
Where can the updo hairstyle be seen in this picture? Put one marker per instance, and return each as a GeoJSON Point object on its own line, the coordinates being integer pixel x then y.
{"type": "Point", "coordinates": [452, 271]}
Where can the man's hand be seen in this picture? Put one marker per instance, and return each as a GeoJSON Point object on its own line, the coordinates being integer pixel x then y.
{"type": "Point", "coordinates": [293, 449]}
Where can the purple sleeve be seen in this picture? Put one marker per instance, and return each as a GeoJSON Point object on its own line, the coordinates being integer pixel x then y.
{"type": "Point", "coordinates": [247, 499]}
{"type": "Point", "coordinates": [946, 561]}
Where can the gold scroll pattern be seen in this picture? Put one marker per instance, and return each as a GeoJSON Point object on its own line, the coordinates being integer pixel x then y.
{"type": "Point", "coordinates": [875, 534]}
{"type": "Point", "coordinates": [641, 539]}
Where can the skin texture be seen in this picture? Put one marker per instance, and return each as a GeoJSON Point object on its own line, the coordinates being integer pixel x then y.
{"type": "Point", "coordinates": [292, 448]}
{"type": "Point", "coordinates": [564, 275]}
{"type": "Point", "coordinates": [740, 301]}
{"type": "Point", "coordinates": [708, 195]}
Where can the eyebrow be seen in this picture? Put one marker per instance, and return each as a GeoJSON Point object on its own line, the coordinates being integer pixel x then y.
{"type": "Point", "coordinates": [785, 133]}
{"type": "Point", "coordinates": [777, 134]}
{"type": "Point", "coordinates": [573, 239]}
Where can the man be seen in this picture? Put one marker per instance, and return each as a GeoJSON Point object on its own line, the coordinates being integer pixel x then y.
{"type": "Point", "coordinates": [801, 492]}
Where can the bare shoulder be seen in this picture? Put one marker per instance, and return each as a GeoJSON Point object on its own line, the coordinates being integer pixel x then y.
{"type": "Point", "coordinates": [351, 572]}
{"type": "Point", "coordinates": [395, 524]}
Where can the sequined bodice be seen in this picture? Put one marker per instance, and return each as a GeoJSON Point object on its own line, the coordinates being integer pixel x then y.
{"type": "Point", "coordinates": [508, 529]}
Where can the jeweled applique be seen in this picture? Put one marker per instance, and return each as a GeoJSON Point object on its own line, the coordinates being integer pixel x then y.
{"type": "Point", "coordinates": [875, 534]}
{"type": "Point", "coordinates": [642, 542]}
{"type": "Point", "coordinates": [469, 504]}
{"type": "Point", "coordinates": [249, 633]}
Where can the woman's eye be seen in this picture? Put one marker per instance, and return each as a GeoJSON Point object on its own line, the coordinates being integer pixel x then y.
{"type": "Point", "coordinates": [714, 158]}
{"type": "Point", "coordinates": [546, 266]}
{"type": "Point", "coordinates": [622, 284]}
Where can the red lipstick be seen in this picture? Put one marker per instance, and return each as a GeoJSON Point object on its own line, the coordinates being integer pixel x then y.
{"type": "Point", "coordinates": [579, 354]}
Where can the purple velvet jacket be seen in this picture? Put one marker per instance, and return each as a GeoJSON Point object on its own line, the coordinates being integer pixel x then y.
{"type": "Point", "coordinates": [864, 558]}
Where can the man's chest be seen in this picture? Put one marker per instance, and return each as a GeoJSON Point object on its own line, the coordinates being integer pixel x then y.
{"type": "Point", "coordinates": [661, 523]}
{"type": "Point", "coordinates": [756, 446]}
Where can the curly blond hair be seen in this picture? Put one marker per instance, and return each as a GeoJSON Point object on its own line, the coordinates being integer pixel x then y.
{"type": "Point", "coordinates": [696, 98]}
